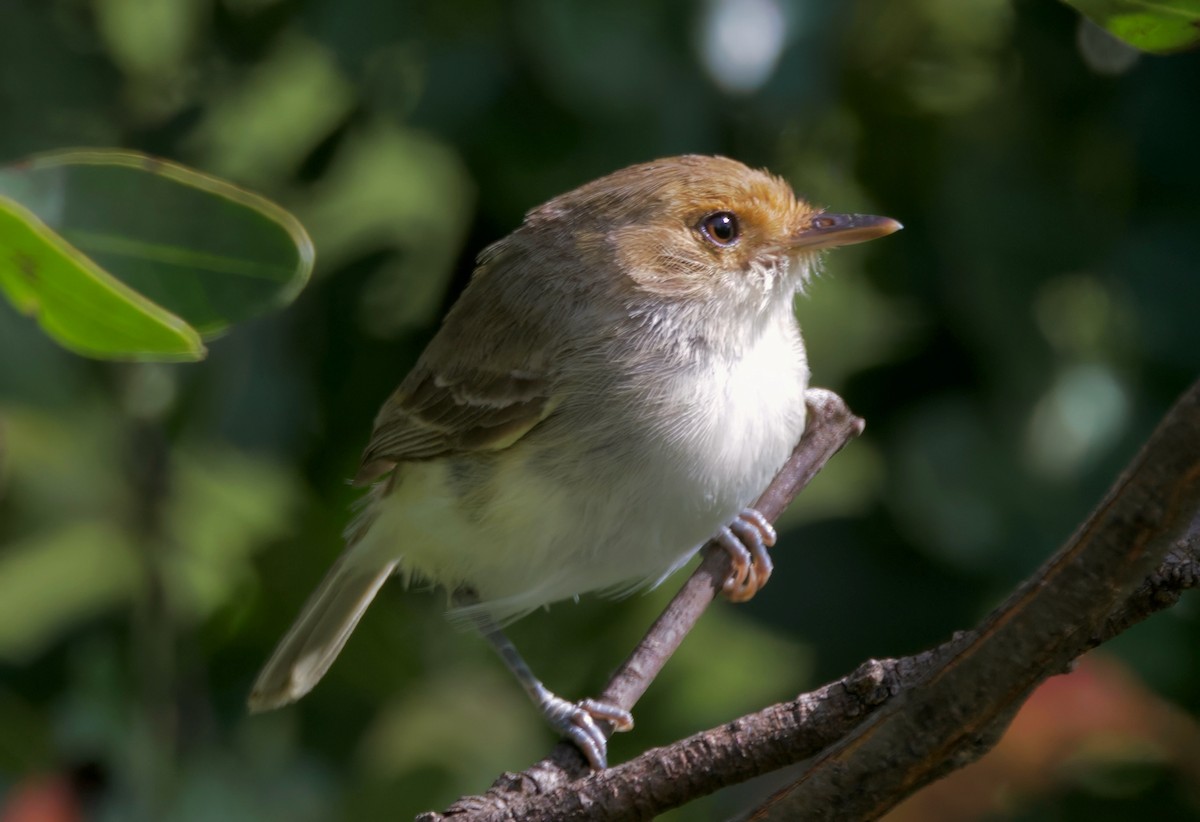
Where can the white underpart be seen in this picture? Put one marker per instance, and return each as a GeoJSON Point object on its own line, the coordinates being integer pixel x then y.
{"type": "Point", "coordinates": [615, 517]}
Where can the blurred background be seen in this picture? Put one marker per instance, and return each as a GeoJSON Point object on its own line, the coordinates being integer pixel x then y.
{"type": "Point", "coordinates": [161, 525]}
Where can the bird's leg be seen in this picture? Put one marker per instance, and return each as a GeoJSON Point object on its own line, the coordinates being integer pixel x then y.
{"type": "Point", "coordinates": [746, 540]}
{"type": "Point", "coordinates": [577, 721]}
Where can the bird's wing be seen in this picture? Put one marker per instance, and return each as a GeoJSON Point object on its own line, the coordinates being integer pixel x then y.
{"type": "Point", "coordinates": [487, 377]}
{"type": "Point", "coordinates": [432, 415]}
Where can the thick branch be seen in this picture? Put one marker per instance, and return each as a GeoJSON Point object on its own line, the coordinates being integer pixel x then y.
{"type": "Point", "coordinates": [960, 709]}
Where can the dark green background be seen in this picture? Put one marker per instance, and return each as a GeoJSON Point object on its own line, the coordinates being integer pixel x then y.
{"type": "Point", "coordinates": [160, 526]}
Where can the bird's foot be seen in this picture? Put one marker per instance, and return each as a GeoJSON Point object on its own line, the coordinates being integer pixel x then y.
{"type": "Point", "coordinates": [746, 540]}
{"type": "Point", "coordinates": [579, 722]}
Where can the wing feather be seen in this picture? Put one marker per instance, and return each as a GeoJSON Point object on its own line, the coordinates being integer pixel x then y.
{"type": "Point", "coordinates": [486, 379]}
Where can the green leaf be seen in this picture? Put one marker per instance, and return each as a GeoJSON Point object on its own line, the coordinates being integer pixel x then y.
{"type": "Point", "coordinates": [125, 256]}
{"type": "Point", "coordinates": [78, 303]}
{"type": "Point", "coordinates": [50, 583]}
{"type": "Point", "coordinates": [1156, 26]}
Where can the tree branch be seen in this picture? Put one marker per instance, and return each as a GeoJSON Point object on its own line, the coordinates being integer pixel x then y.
{"type": "Point", "coordinates": [892, 726]}
{"type": "Point", "coordinates": [958, 711]}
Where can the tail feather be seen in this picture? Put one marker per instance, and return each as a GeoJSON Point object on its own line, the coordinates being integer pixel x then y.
{"type": "Point", "coordinates": [318, 634]}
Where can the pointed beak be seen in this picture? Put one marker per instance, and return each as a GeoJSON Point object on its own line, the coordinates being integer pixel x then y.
{"type": "Point", "coordinates": [831, 230]}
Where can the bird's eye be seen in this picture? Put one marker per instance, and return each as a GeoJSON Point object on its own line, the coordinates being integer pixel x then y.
{"type": "Point", "coordinates": [720, 228]}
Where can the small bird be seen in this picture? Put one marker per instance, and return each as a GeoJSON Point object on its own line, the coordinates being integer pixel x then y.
{"type": "Point", "coordinates": [621, 378]}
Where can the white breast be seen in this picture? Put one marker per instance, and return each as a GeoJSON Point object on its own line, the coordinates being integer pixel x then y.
{"type": "Point", "coordinates": [723, 430]}
{"type": "Point", "coordinates": [609, 518]}
{"type": "Point", "coordinates": [749, 413]}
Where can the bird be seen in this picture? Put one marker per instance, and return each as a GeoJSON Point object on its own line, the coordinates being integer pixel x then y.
{"type": "Point", "coordinates": [622, 376]}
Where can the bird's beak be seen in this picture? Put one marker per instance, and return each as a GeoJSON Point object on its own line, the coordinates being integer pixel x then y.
{"type": "Point", "coordinates": [826, 230]}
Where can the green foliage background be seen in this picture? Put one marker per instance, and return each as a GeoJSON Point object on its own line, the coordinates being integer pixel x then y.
{"type": "Point", "coordinates": [160, 525]}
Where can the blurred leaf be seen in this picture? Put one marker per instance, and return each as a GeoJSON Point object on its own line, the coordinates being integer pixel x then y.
{"type": "Point", "coordinates": [1156, 26]}
{"type": "Point", "coordinates": [490, 725]}
{"type": "Point", "coordinates": [754, 666]}
{"type": "Point", "coordinates": [48, 583]}
{"type": "Point", "coordinates": [63, 467]}
{"type": "Point", "coordinates": [846, 487]}
{"type": "Point", "coordinates": [392, 188]}
{"type": "Point", "coordinates": [204, 250]}
{"type": "Point", "coordinates": [224, 506]}
{"type": "Point", "coordinates": [850, 325]}
{"type": "Point", "coordinates": [149, 38]}
{"type": "Point", "coordinates": [262, 128]}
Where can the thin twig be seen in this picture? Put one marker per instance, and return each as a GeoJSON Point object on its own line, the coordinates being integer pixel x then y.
{"type": "Point", "coordinates": [830, 426]}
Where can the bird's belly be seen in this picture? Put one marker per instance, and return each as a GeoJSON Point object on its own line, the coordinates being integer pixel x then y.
{"type": "Point", "coordinates": [602, 510]}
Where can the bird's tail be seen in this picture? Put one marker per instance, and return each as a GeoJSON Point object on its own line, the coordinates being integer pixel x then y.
{"type": "Point", "coordinates": [318, 634]}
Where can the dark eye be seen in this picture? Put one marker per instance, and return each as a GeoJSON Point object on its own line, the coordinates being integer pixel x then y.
{"type": "Point", "coordinates": [720, 228]}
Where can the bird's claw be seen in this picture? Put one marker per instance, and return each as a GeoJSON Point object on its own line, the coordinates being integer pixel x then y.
{"type": "Point", "coordinates": [746, 540]}
{"type": "Point", "coordinates": [580, 723]}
